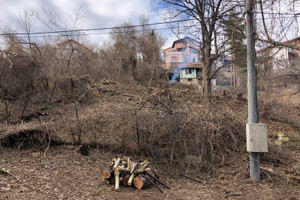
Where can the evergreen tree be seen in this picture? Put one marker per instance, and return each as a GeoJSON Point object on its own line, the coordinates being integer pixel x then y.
{"type": "Point", "coordinates": [235, 33]}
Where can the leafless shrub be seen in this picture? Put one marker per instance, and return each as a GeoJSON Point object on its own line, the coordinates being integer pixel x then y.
{"type": "Point", "coordinates": [189, 135]}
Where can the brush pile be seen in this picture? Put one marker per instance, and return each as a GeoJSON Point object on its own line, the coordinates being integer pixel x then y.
{"type": "Point", "coordinates": [129, 173]}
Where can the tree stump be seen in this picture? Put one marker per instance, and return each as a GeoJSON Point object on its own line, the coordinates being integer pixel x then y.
{"type": "Point", "coordinates": [239, 97]}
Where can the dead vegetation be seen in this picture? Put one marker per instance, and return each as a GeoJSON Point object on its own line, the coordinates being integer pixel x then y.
{"type": "Point", "coordinates": [180, 134]}
{"type": "Point", "coordinates": [169, 125]}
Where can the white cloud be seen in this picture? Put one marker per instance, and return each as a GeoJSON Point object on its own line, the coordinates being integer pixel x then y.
{"type": "Point", "coordinates": [96, 13]}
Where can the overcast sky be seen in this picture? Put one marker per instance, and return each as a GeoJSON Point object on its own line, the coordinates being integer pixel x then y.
{"type": "Point", "coordinates": [93, 13]}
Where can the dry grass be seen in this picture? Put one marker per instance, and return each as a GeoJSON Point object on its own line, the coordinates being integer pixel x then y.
{"type": "Point", "coordinates": [170, 125]}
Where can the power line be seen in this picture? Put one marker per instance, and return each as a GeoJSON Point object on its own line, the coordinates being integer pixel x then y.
{"type": "Point", "coordinates": [277, 13]}
{"type": "Point", "coordinates": [78, 32]}
{"type": "Point", "coordinates": [96, 29]}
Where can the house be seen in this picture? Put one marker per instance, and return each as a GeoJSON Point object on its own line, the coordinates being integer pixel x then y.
{"type": "Point", "coordinates": [279, 66]}
{"type": "Point", "coordinates": [280, 58]}
{"type": "Point", "coordinates": [183, 61]}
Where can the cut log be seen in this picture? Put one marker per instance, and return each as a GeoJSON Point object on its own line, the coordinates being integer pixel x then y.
{"type": "Point", "coordinates": [117, 163]}
{"type": "Point", "coordinates": [143, 166]}
{"type": "Point", "coordinates": [108, 177]}
{"type": "Point", "coordinates": [128, 163]}
{"type": "Point", "coordinates": [141, 182]}
{"type": "Point", "coordinates": [117, 178]}
{"type": "Point", "coordinates": [131, 178]}
{"type": "Point", "coordinates": [125, 180]}
{"type": "Point", "coordinates": [106, 174]}
{"type": "Point", "coordinates": [152, 182]}
{"type": "Point", "coordinates": [134, 165]}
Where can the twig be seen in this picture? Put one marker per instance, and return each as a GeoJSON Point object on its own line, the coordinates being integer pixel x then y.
{"type": "Point", "coordinates": [137, 131]}
{"type": "Point", "coordinates": [25, 106]}
{"type": "Point", "coordinates": [172, 151]}
{"type": "Point", "coordinates": [188, 177]}
{"type": "Point", "coordinates": [280, 175]}
{"type": "Point", "coordinates": [52, 93]}
{"type": "Point", "coordinates": [78, 125]}
{"type": "Point", "coordinates": [7, 173]}
{"type": "Point", "coordinates": [152, 183]}
{"type": "Point", "coordinates": [6, 111]}
{"type": "Point", "coordinates": [232, 195]}
{"type": "Point", "coordinates": [159, 181]}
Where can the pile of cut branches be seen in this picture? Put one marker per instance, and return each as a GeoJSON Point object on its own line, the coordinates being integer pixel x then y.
{"type": "Point", "coordinates": [128, 173]}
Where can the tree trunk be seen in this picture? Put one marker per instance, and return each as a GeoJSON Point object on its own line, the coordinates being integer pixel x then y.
{"type": "Point", "coordinates": [207, 68]}
{"type": "Point", "coordinates": [206, 87]}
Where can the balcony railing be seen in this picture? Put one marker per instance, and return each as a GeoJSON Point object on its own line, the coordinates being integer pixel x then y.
{"type": "Point", "coordinates": [178, 65]}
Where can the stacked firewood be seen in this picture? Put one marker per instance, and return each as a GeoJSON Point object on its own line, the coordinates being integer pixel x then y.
{"type": "Point", "coordinates": [128, 173]}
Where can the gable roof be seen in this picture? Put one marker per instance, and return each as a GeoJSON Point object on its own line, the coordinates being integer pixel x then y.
{"type": "Point", "coordinates": [186, 39]}
{"type": "Point", "coordinates": [70, 41]}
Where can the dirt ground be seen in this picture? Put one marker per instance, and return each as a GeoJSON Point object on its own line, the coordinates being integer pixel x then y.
{"type": "Point", "coordinates": [62, 173]}
{"type": "Point", "coordinates": [58, 171]}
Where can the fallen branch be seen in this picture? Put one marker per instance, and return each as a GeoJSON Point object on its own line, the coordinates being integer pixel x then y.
{"type": "Point", "coordinates": [281, 175]}
{"type": "Point", "coordinates": [117, 177]}
{"type": "Point", "coordinates": [188, 177]}
{"type": "Point", "coordinates": [6, 172]}
{"type": "Point", "coordinates": [158, 180]}
{"type": "Point", "coordinates": [155, 185]}
{"type": "Point", "coordinates": [232, 195]}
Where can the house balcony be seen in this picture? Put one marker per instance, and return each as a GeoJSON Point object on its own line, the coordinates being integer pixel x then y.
{"type": "Point", "coordinates": [181, 65]}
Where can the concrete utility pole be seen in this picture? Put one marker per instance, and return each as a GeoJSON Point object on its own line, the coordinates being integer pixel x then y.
{"type": "Point", "coordinates": [252, 93]}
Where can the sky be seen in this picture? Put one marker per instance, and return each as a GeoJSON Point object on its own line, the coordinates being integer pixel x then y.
{"type": "Point", "coordinates": [93, 14]}
{"type": "Point", "coordinates": [99, 14]}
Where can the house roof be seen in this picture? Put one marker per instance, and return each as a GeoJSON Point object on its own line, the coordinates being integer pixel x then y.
{"type": "Point", "coordinates": [292, 40]}
{"type": "Point", "coordinates": [185, 40]}
{"type": "Point", "coordinates": [285, 42]}
{"type": "Point", "coordinates": [71, 41]}
{"type": "Point", "coordinates": [167, 49]}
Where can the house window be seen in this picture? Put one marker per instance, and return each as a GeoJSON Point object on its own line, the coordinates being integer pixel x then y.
{"type": "Point", "coordinates": [173, 59]}
{"type": "Point", "coordinates": [190, 79]}
{"type": "Point", "coordinates": [199, 60]}
{"type": "Point", "coordinates": [185, 59]}
{"type": "Point", "coordinates": [193, 60]}
{"type": "Point", "coordinates": [198, 70]}
{"type": "Point", "coordinates": [188, 71]}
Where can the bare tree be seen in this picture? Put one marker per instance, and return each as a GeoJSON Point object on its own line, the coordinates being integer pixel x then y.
{"type": "Point", "coordinates": [132, 54]}
{"type": "Point", "coordinates": [206, 16]}
{"type": "Point", "coordinates": [278, 60]}
{"type": "Point", "coordinates": [25, 22]}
